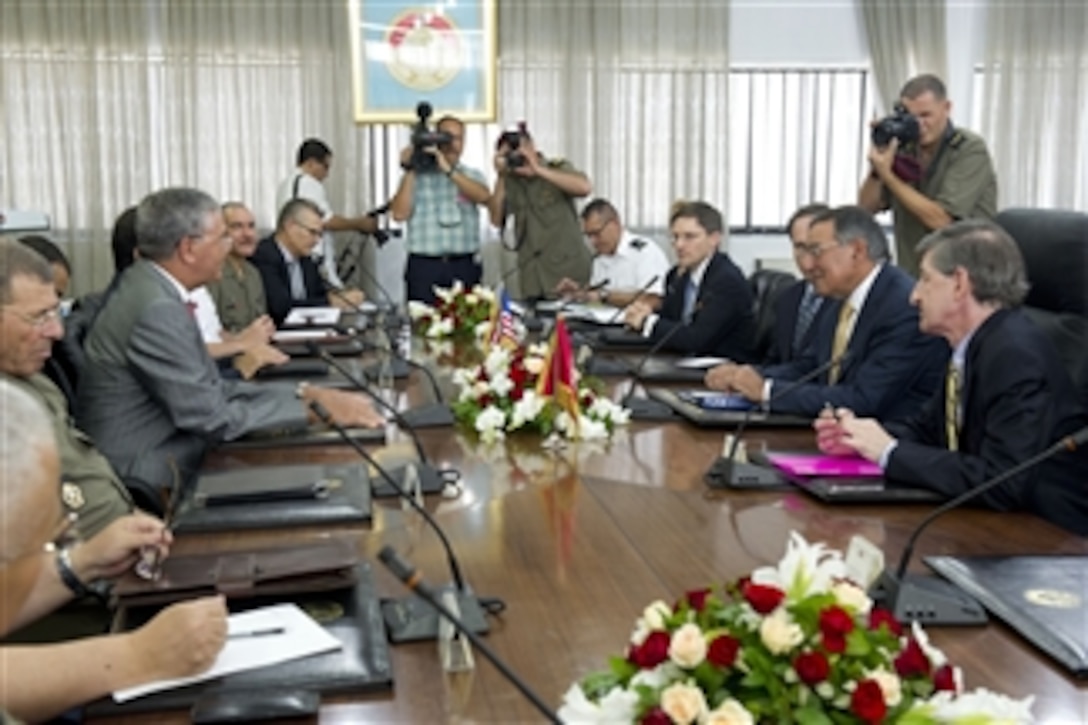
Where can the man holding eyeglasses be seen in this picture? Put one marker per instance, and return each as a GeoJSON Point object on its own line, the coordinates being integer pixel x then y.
{"type": "Point", "coordinates": [623, 264]}
{"type": "Point", "coordinates": [887, 366]}
{"type": "Point", "coordinates": [290, 277]}
{"type": "Point", "coordinates": [441, 208]}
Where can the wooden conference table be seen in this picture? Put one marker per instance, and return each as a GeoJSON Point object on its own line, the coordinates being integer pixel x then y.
{"type": "Point", "coordinates": [578, 544]}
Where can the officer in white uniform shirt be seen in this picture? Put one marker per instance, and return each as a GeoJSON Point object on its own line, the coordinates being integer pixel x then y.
{"type": "Point", "coordinates": [624, 265]}
{"type": "Point", "coordinates": [314, 159]}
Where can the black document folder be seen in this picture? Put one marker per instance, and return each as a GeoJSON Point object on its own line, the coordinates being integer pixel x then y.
{"type": "Point", "coordinates": [351, 615]}
{"type": "Point", "coordinates": [277, 497]}
{"type": "Point", "coordinates": [710, 418]}
{"type": "Point", "coordinates": [1044, 598]}
{"type": "Point", "coordinates": [308, 437]}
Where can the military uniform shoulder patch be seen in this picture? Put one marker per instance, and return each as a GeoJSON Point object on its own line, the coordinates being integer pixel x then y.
{"type": "Point", "coordinates": [72, 496]}
{"type": "Point", "coordinates": [638, 243]}
{"type": "Point", "coordinates": [556, 163]}
{"type": "Point", "coordinates": [956, 140]}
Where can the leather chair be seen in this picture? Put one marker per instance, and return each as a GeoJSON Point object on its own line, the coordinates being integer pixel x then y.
{"type": "Point", "coordinates": [767, 284]}
{"type": "Point", "coordinates": [1055, 248]}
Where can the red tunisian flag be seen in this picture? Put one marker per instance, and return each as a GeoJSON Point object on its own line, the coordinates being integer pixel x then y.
{"type": "Point", "coordinates": [559, 380]}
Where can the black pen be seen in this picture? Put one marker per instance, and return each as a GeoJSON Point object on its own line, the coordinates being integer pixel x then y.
{"type": "Point", "coordinates": [257, 633]}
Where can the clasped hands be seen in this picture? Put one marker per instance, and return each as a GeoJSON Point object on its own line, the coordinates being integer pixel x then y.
{"type": "Point", "coordinates": [733, 378]}
{"type": "Point", "coordinates": [840, 433]}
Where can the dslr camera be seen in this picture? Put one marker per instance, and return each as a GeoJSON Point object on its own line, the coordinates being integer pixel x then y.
{"type": "Point", "coordinates": [512, 140]}
{"type": "Point", "coordinates": [900, 124]}
{"type": "Point", "coordinates": [423, 136]}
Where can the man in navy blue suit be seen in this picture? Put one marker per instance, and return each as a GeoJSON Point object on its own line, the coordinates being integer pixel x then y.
{"type": "Point", "coordinates": [888, 367]}
{"type": "Point", "coordinates": [799, 309]}
{"type": "Point", "coordinates": [707, 307]}
{"type": "Point", "coordinates": [1006, 396]}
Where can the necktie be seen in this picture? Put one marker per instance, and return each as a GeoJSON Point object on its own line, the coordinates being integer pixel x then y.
{"type": "Point", "coordinates": [191, 307]}
{"type": "Point", "coordinates": [842, 337]}
{"type": "Point", "coordinates": [691, 292]}
{"type": "Point", "coordinates": [294, 275]}
{"type": "Point", "coordinates": [951, 406]}
{"type": "Point", "coordinates": [806, 313]}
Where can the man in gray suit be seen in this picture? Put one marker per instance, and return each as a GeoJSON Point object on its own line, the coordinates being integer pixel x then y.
{"type": "Point", "coordinates": [150, 391]}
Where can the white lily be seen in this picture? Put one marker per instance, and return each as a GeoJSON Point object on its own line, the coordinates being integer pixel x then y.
{"type": "Point", "coordinates": [805, 569]}
{"type": "Point", "coordinates": [616, 706]}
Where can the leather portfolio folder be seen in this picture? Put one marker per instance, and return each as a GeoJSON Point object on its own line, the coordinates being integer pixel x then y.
{"type": "Point", "coordinates": [294, 369]}
{"type": "Point", "coordinates": [352, 615]}
{"type": "Point", "coordinates": [312, 436]}
{"type": "Point", "coordinates": [277, 496]}
{"type": "Point", "coordinates": [1044, 598]}
{"type": "Point", "coordinates": [272, 571]}
{"type": "Point", "coordinates": [340, 347]}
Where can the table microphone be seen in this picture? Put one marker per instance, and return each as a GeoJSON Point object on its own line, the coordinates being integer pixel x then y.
{"type": "Point", "coordinates": [933, 601]}
{"type": "Point", "coordinates": [409, 620]}
{"type": "Point", "coordinates": [414, 580]}
{"type": "Point", "coordinates": [648, 408]}
{"type": "Point", "coordinates": [728, 472]}
{"type": "Point", "coordinates": [641, 291]}
{"type": "Point", "coordinates": [389, 316]}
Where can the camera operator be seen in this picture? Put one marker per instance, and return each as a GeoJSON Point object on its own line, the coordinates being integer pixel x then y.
{"type": "Point", "coordinates": [438, 197]}
{"type": "Point", "coordinates": [927, 171]}
{"type": "Point", "coordinates": [540, 193]}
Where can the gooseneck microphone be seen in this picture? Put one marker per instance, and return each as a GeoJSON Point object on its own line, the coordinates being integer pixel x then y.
{"type": "Point", "coordinates": [934, 601]}
{"type": "Point", "coordinates": [648, 408]}
{"type": "Point", "coordinates": [389, 316]}
{"type": "Point", "coordinates": [728, 472]}
{"type": "Point", "coordinates": [409, 620]}
{"type": "Point", "coordinates": [641, 291]}
{"type": "Point", "coordinates": [414, 580]}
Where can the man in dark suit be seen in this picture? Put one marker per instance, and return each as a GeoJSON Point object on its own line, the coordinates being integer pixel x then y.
{"type": "Point", "coordinates": [1006, 395]}
{"type": "Point", "coordinates": [151, 392]}
{"type": "Point", "coordinates": [890, 368]}
{"type": "Point", "coordinates": [290, 276]}
{"type": "Point", "coordinates": [798, 309]}
{"type": "Point", "coordinates": [707, 308]}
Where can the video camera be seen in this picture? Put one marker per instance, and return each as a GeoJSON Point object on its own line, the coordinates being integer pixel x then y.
{"type": "Point", "coordinates": [901, 124]}
{"type": "Point", "coordinates": [512, 140]}
{"type": "Point", "coordinates": [423, 136]}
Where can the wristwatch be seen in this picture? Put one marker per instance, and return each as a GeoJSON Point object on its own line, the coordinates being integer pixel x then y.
{"type": "Point", "coordinates": [68, 575]}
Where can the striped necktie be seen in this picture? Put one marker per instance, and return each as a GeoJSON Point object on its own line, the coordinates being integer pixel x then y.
{"type": "Point", "coordinates": [806, 313]}
{"type": "Point", "coordinates": [951, 406]}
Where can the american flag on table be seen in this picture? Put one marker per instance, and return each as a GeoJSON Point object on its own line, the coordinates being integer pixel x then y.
{"type": "Point", "coordinates": [503, 331]}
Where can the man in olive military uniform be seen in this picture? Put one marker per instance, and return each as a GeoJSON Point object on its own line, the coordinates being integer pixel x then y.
{"type": "Point", "coordinates": [540, 193]}
{"type": "Point", "coordinates": [239, 293]}
{"type": "Point", "coordinates": [29, 325]}
{"type": "Point", "coordinates": [944, 176]}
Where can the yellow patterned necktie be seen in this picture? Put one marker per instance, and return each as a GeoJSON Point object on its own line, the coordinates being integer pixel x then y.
{"type": "Point", "coordinates": [842, 336]}
{"type": "Point", "coordinates": [951, 406]}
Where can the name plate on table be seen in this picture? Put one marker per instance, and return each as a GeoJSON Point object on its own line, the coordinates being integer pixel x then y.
{"type": "Point", "coordinates": [276, 497]}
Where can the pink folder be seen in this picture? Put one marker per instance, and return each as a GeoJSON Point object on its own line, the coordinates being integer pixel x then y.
{"type": "Point", "coordinates": [799, 464]}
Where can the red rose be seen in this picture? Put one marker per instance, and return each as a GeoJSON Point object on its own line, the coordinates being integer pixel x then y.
{"type": "Point", "coordinates": [518, 375]}
{"type": "Point", "coordinates": [516, 394]}
{"type": "Point", "coordinates": [655, 716]}
{"type": "Point", "coordinates": [697, 599]}
{"type": "Point", "coordinates": [723, 651]}
{"type": "Point", "coordinates": [835, 624]}
{"type": "Point", "coordinates": [878, 617]}
{"type": "Point", "coordinates": [867, 702]}
{"type": "Point", "coordinates": [485, 400]}
{"type": "Point", "coordinates": [812, 667]}
{"type": "Point", "coordinates": [652, 652]}
{"type": "Point", "coordinates": [912, 661]}
{"type": "Point", "coordinates": [587, 400]}
{"type": "Point", "coordinates": [945, 678]}
{"type": "Point", "coordinates": [764, 599]}
{"type": "Point", "coordinates": [481, 376]}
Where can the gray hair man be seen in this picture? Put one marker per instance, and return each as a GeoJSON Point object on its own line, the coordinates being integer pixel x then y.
{"type": "Point", "coordinates": [36, 572]}
{"type": "Point", "coordinates": [151, 392]}
{"type": "Point", "coordinates": [1006, 395]}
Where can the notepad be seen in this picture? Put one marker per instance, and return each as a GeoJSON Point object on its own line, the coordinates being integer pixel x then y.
{"type": "Point", "coordinates": [312, 316]}
{"type": "Point", "coordinates": [317, 333]}
{"type": "Point", "coordinates": [258, 638]}
{"type": "Point", "coordinates": [712, 400]}
{"type": "Point", "coordinates": [799, 464]}
{"type": "Point", "coordinates": [700, 363]}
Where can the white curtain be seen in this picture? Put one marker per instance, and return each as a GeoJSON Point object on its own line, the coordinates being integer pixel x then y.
{"type": "Point", "coordinates": [1034, 105]}
{"type": "Point", "coordinates": [106, 101]}
{"type": "Point", "coordinates": [634, 93]}
{"type": "Point", "coordinates": [906, 38]}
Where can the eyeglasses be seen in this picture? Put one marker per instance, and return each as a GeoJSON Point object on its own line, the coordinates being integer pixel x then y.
{"type": "Point", "coordinates": [40, 320]}
{"type": "Point", "coordinates": [313, 232]}
{"type": "Point", "coordinates": [596, 232]}
{"type": "Point", "coordinates": [815, 249]}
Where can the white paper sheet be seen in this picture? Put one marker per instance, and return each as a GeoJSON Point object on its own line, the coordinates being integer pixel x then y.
{"type": "Point", "coordinates": [599, 314]}
{"type": "Point", "coordinates": [700, 363]}
{"type": "Point", "coordinates": [312, 316]}
{"type": "Point", "coordinates": [316, 333]}
{"type": "Point", "coordinates": [301, 637]}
